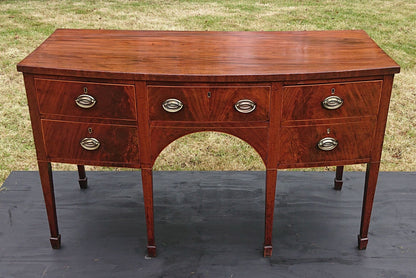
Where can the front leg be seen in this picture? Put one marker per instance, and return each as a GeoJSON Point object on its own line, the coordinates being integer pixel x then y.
{"type": "Point", "coordinates": [147, 183]}
{"type": "Point", "coordinates": [371, 176]}
{"type": "Point", "coordinates": [45, 173]}
{"type": "Point", "coordinates": [271, 176]}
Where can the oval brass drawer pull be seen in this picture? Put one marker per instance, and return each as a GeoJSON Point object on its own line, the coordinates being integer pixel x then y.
{"type": "Point", "coordinates": [85, 101]}
{"type": "Point", "coordinates": [90, 144]}
{"type": "Point", "coordinates": [327, 144]}
{"type": "Point", "coordinates": [245, 106]}
{"type": "Point", "coordinates": [172, 105]}
{"type": "Point", "coordinates": [332, 102]}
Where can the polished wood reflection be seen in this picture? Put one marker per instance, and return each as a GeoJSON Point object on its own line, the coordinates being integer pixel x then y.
{"type": "Point", "coordinates": [286, 76]}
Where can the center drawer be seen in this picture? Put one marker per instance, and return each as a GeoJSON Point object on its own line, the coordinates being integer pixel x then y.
{"type": "Point", "coordinates": [86, 99]}
{"type": "Point", "coordinates": [209, 103]}
{"type": "Point", "coordinates": [72, 141]}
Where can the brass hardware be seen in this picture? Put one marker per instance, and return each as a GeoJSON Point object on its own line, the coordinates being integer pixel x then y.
{"type": "Point", "coordinates": [209, 94]}
{"type": "Point", "coordinates": [90, 130]}
{"type": "Point", "coordinates": [328, 130]}
{"type": "Point", "coordinates": [172, 105]}
{"type": "Point", "coordinates": [327, 144]}
{"type": "Point", "coordinates": [332, 102]}
{"type": "Point", "coordinates": [90, 144]}
{"type": "Point", "coordinates": [245, 106]}
{"type": "Point", "coordinates": [333, 90]}
{"type": "Point", "coordinates": [85, 101]}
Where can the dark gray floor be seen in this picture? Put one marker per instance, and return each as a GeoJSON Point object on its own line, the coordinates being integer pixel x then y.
{"type": "Point", "coordinates": [208, 224]}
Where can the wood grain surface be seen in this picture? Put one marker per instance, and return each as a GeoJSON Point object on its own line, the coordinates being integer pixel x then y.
{"type": "Point", "coordinates": [209, 56]}
{"type": "Point", "coordinates": [57, 97]}
{"type": "Point", "coordinates": [299, 144]}
{"type": "Point", "coordinates": [209, 103]}
{"type": "Point", "coordinates": [286, 74]}
{"type": "Point", "coordinates": [305, 102]}
{"type": "Point", "coordinates": [118, 143]}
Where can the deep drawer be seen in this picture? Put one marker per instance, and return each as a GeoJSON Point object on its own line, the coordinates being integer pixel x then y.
{"type": "Point", "coordinates": [72, 98]}
{"type": "Point", "coordinates": [204, 103]}
{"type": "Point", "coordinates": [117, 143]}
{"type": "Point", "coordinates": [306, 101]}
{"type": "Point", "coordinates": [299, 145]}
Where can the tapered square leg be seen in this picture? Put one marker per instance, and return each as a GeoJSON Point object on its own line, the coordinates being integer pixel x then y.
{"type": "Point", "coordinates": [83, 181]}
{"type": "Point", "coordinates": [147, 183]}
{"type": "Point", "coordinates": [271, 176]}
{"type": "Point", "coordinates": [45, 173]}
{"type": "Point", "coordinates": [338, 178]}
{"type": "Point", "coordinates": [371, 177]}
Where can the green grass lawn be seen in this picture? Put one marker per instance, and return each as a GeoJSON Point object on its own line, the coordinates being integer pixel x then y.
{"type": "Point", "coordinates": [25, 24]}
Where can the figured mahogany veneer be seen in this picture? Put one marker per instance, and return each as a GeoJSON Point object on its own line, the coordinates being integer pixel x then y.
{"type": "Point", "coordinates": [300, 99]}
{"type": "Point", "coordinates": [299, 144]}
{"type": "Point", "coordinates": [119, 144]}
{"type": "Point", "coordinates": [304, 102]}
{"type": "Point", "coordinates": [204, 104]}
{"type": "Point", "coordinates": [57, 97]}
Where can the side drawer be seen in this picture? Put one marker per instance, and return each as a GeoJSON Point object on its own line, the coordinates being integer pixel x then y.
{"type": "Point", "coordinates": [299, 145]}
{"type": "Point", "coordinates": [205, 103]}
{"type": "Point", "coordinates": [306, 101]}
{"type": "Point", "coordinates": [105, 100]}
{"type": "Point", "coordinates": [117, 143]}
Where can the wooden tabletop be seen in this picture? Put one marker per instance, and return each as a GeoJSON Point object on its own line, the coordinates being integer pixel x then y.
{"type": "Point", "coordinates": [209, 56]}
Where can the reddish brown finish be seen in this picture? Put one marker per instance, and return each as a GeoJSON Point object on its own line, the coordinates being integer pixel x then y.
{"type": "Point", "coordinates": [271, 176]}
{"type": "Point", "coordinates": [34, 117]}
{"type": "Point", "coordinates": [371, 176]}
{"type": "Point", "coordinates": [305, 102]}
{"type": "Point", "coordinates": [163, 136]}
{"type": "Point", "coordinates": [382, 118]}
{"type": "Point", "coordinates": [274, 128]}
{"type": "Point", "coordinates": [144, 129]}
{"type": "Point", "coordinates": [131, 73]}
{"type": "Point", "coordinates": [112, 100]}
{"type": "Point", "coordinates": [147, 182]}
{"type": "Point", "coordinates": [117, 143]}
{"type": "Point", "coordinates": [373, 167]}
{"type": "Point", "coordinates": [203, 104]}
{"type": "Point", "coordinates": [45, 173]}
{"type": "Point", "coordinates": [299, 144]}
{"type": "Point", "coordinates": [209, 56]}
{"type": "Point", "coordinates": [271, 165]}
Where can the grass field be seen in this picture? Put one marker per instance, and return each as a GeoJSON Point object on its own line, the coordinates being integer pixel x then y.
{"type": "Point", "coordinates": [25, 24]}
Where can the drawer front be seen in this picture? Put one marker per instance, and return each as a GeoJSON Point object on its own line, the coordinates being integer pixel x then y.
{"type": "Point", "coordinates": [210, 103]}
{"type": "Point", "coordinates": [95, 100]}
{"type": "Point", "coordinates": [117, 143]}
{"type": "Point", "coordinates": [300, 144]}
{"type": "Point", "coordinates": [354, 99]}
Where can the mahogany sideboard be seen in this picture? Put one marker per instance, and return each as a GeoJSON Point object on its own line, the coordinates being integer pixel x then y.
{"type": "Point", "coordinates": [117, 98]}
